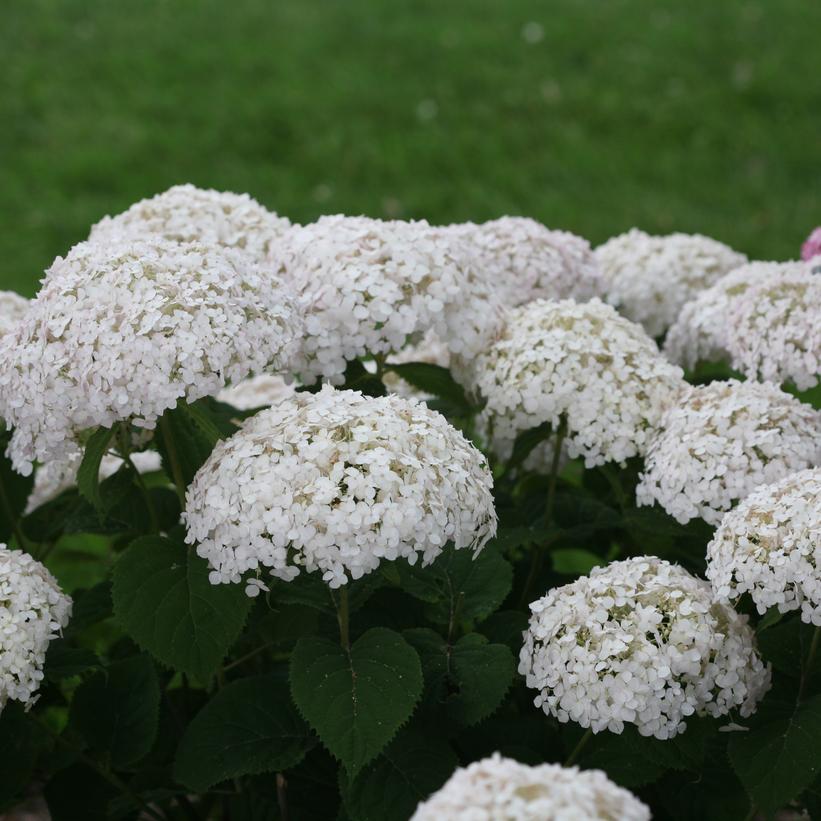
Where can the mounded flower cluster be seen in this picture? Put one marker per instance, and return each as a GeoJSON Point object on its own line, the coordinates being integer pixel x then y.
{"type": "Point", "coordinates": [700, 332]}
{"type": "Point", "coordinates": [12, 308]}
{"type": "Point", "coordinates": [641, 642]}
{"type": "Point", "coordinates": [528, 261]}
{"type": "Point", "coordinates": [257, 392]}
{"type": "Point", "coordinates": [368, 285]}
{"type": "Point", "coordinates": [338, 482]}
{"type": "Point", "coordinates": [501, 789]}
{"type": "Point", "coordinates": [774, 329]}
{"type": "Point", "coordinates": [720, 441]}
{"type": "Point", "coordinates": [185, 213]}
{"type": "Point", "coordinates": [650, 278]}
{"type": "Point", "coordinates": [770, 547]}
{"type": "Point", "coordinates": [33, 610]}
{"type": "Point", "coordinates": [123, 331]}
{"type": "Point", "coordinates": [582, 363]}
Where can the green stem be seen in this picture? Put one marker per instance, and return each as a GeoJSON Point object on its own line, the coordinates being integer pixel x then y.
{"type": "Point", "coordinates": [574, 755]}
{"type": "Point", "coordinates": [343, 618]}
{"type": "Point", "coordinates": [805, 672]}
{"type": "Point", "coordinates": [242, 659]}
{"type": "Point", "coordinates": [174, 459]}
{"type": "Point", "coordinates": [125, 453]}
{"type": "Point", "coordinates": [618, 491]}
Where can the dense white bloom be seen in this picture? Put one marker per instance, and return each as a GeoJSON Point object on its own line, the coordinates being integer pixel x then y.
{"type": "Point", "coordinates": [528, 261]}
{"type": "Point", "coordinates": [123, 331]}
{"type": "Point", "coordinates": [640, 642]}
{"type": "Point", "coordinates": [12, 308]}
{"type": "Point", "coordinates": [722, 440]}
{"type": "Point", "coordinates": [51, 479]}
{"type": "Point", "coordinates": [257, 392]}
{"type": "Point", "coordinates": [33, 610]}
{"type": "Point", "coordinates": [501, 789]}
{"type": "Point", "coordinates": [649, 278]}
{"type": "Point", "coordinates": [369, 285]}
{"type": "Point", "coordinates": [583, 362]}
{"type": "Point", "coordinates": [774, 328]}
{"type": "Point", "coordinates": [430, 350]}
{"type": "Point", "coordinates": [770, 547]}
{"type": "Point", "coordinates": [338, 482]}
{"type": "Point", "coordinates": [185, 213]}
{"type": "Point", "coordinates": [699, 334]}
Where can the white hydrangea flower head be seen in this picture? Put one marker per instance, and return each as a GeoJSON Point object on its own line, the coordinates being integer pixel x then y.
{"type": "Point", "coordinates": [53, 478]}
{"type": "Point", "coordinates": [699, 334]}
{"type": "Point", "coordinates": [722, 440]}
{"type": "Point", "coordinates": [368, 285]}
{"type": "Point", "coordinates": [641, 642]}
{"type": "Point", "coordinates": [528, 261]}
{"type": "Point", "coordinates": [581, 362]}
{"type": "Point", "coordinates": [430, 350]}
{"type": "Point", "coordinates": [502, 789]}
{"type": "Point", "coordinates": [774, 329]}
{"type": "Point", "coordinates": [123, 331]}
{"type": "Point", "coordinates": [257, 392]}
{"type": "Point", "coordinates": [33, 611]}
{"type": "Point", "coordinates": [770, 547]}
{"type": "Point", "coordinates": [337, 482]}
{"type": "Point", "coordinates": [12, 308]}
{"type": "Point", "coordinates": [185, 213]}
{"type": "Point", "coordinates": [650, 278]}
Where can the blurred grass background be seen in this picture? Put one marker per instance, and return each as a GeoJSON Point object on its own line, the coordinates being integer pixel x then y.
{"type": "Point", "coordinates": [591, 115]}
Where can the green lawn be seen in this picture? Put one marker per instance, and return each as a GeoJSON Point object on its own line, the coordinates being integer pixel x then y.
{"type": "Point", "coordinates": [699, 116]}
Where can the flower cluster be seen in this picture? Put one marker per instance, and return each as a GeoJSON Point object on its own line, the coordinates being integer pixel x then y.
{"type": "Point", "coordinates": [528, 261]}
{"type": "Point", "coordinates": [123, 331]}
{"type": "Point", "coordinates": [185, 213]}
{"type": "Point", "coordinates": [720, 442]}
{"type": "Point", "coordinates": [774, 329]}
{"type": "Point", "coordinates": [649, 278]}
{"type": "Point", "coordinates": [641, 642]}
{"type": "Point", "coordinates": [12, 308]}
{"type": "Point", "coordinates": [368, 285]}
{"type": "Point", "coordinates": [501, 789]}
{"type": "Point", "coordinates": [33, 610]}
{"type": "Point", "coordinates": [580, 363]}
{"type": "Point", "coordinates": [257, 392]}
{"type": "Point", "coordinates": [338, 482]}
{"type": "Point", "coordinates": [812, 247]}
{"type": "Point", "coordinates": [770, 547]}
{"type": "Point", "coordinates": [700, 332]}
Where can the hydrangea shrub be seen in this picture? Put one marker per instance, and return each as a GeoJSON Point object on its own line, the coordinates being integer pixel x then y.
{"type": "Point", "coordinates": [374, 521]}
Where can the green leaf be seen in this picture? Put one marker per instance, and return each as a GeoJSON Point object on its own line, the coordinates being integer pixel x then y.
{"type": "Point", "coordinates": [506, 627]}
{"type": "Point", "coordinates": [433, 379]}
{"type": "Point", "coordinates": [116, 711]}
{"type": "Point", "coordinates": [64, 661]}
{"type": "Point", "coordinates": [573, 561]}
{"type": "Point", "coordinates": [14, 493]}
{"type": "Point", "coordinates": [778, 758]}
{"type": "Point", "coordinates": [250, 726]}
{"type": "Point", "coordinates": [88, 475]}
{"type": "Point", "coordinates": [457, 585]}
{"type": "Point", "coordinates": [20, 742]}
{"type": "Point", "coordinates": [164, 601]}
{"type": "Point", "coordinates": [413, 766]}
{"type": "Point", "coordinates": [526, 442]}
{"type": "Point", "coordinates": [78, 792]}
{"type": "Point", "coordinates": [185, 439]}
{"type": "Point", "coordinates": [356, 700]}
{"type": "Point", "coordinates": [469, 679]}
{"type": "Point", "coordinates": [359, 378]}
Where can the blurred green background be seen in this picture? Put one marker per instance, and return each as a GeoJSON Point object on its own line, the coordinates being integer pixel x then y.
{"type": "Point", "coordinates": [592, 115]}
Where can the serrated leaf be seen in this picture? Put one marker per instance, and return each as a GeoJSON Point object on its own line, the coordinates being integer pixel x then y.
{"type": "Point", "coordinates": [164, 601]}
{"type": "Point", "coordinates": [88, 475]}
{"type": "Point", "coordinates": [413, 766]}
{"type": "Point", "coordinates": [248, 727]}
{"type": "Point", "coordinates": [117, 710]}
{"type": "Point", "coordinates": [185, 440]}
{"type": "Point", "coordinates": [457, 585]}
{"type": "Point", "coordinates": [505, 627]}
{"type": "Point", "coordinates": [309, 590]}
{"type": "Point", "coordinates": [526, 442]}
{"type": "Point", "coordinates": [778, 757]}
{"type": "Point", "coordinates": [64, 661]}
{"type": "Point", "coordinates": [356, 700]}
{"type": "Point", "coordinates": [468, 679]}
{"type": "Point", "coordinates": [432, 379]}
